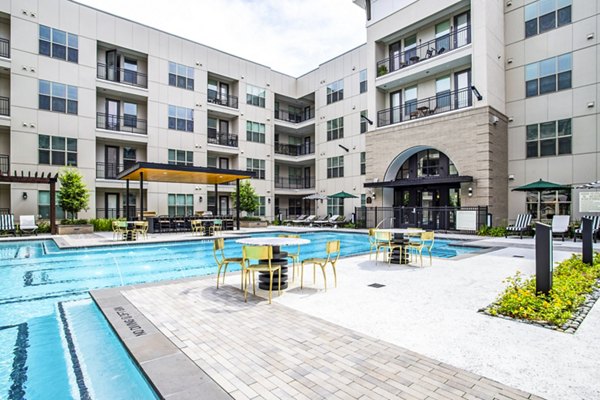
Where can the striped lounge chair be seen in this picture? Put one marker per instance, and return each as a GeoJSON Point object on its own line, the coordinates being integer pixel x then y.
{"type": "Point", "coordinates": [522, 224]}
{"type": "Point", "coordinates": [7, 224]}
{"type": "Point", "coordinates": [595, 227]}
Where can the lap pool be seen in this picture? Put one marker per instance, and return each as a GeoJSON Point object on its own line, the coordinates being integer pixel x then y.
{"type": "Point", "coordinates": [55, 343]}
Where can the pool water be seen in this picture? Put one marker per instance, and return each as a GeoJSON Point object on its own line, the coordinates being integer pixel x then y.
{"type": "Point", "coordinates": [51, 331]}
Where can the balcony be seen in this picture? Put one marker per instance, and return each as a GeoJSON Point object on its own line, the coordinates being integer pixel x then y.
{"type": "Point", "coordinates": [4, 164]}
{"type": "Point", "coordinates": [4, 48]}
{"type": "Point", "coordinates": [295, 182]}
{"type": "Point", "coordinates": [110, 170]}
{"type": "Point", "coordinates": [295, 149]}
{"type": "Point", "coordinates": [425, 51]}
{"type": "Point", "coordinates": [4, 106]}
{"type": "Point", "coordinates": [295, 116]}
{"type": "Point", "coordinates": [414, 109]}
{"type": "Point", "coordinates": [121, 75]}
{"type": "Point", "coordinates": [222, 99]}
{"type": "Point", "coordinates": [223, 139]}
{"type": "Point", "coordinates": [127, 123]}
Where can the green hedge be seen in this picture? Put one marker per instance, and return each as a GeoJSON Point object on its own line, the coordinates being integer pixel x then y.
{"type": "Point", "coordinates": [571, 282]}
{"type": "Point", "coordinates": [102, 224]}
{"type": "Point", "coordinates": [497, 231]}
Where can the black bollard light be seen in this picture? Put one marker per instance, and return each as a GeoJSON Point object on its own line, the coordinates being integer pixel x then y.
{"type": "Point", "coordinates": [543, 258]}
{"type": "Point", "coordinates": [587, 238]}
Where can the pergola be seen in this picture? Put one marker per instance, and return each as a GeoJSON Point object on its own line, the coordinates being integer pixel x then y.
{"type": "Point", "coordinates": [156, 172]}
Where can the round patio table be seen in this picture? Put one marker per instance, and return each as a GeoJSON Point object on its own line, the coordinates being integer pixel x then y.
{"type": "Point", "coordinates": [279, 257]}
{"type": "Point", "coordinates": [399, 238]}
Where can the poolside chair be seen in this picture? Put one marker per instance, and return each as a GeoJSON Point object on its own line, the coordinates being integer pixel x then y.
{"type": "Point", "coordinates": [384, 240]}
{"type": "Point", "coordinates": [308, 220]}
{"type": "Point", "coordinates": [123, 231]}
{"type": "Point", "coordinates": [141, 228]}
{"type": "Point", "coordinates": [560, 225]}
{"type": "Point", "coordinates": [522, 224]}
{"type": "Point", "coordinates": [372, 241]}
{"type": "Point", "coordinates": [7, 224]}
{"type": "Point", "coordinates": [321, 221]}
{"type": "Point", "coordinates": [27, 224]}
{"type": "Point", "coordinates": [197, 226]}
{"type": "Point", "coordinates": [223, 262]}
{"type": "Point", "coordinates": [595, 227]}
{"type": "Point", "coordinates": [216, 227]}
{"type": "Point", "coordinates": [299, 219]}
{"type": "Point", "coordinates": [340, 220]}
{"type": "Point", "coordinates": [294, 256]}
{"type": "Point", "coordinates": [425, 242]}
{"type": "Point", "coordinates": [333, 250]}
{"type": "Point", "coordinates": [264, 255]}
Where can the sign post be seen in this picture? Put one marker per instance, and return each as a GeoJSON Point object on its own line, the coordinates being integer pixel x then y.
{"type": "Point", "coordinates": [587, 237]}
{"type": "Point", "coordinates": [543, 258]}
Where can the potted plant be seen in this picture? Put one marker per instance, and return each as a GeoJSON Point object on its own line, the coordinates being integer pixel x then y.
{"type": "Point", "coordinates": [382, 70]}
{"type": "Point", "coordinates": [73, 197]}
{"type": "Point", "coordinates": [248, 204]}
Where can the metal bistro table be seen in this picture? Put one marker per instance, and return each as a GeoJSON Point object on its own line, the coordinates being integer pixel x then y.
{"type": "Point", "coordinates": [400, 237]}
{"type": "Point", "coordinates": [279, 257]}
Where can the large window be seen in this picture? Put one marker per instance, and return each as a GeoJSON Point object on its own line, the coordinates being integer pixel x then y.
{"type": "Point", "coordinates": [181, 119]}
{"type": "Point", "coordinates": [548, 75]}
{"type": "Point", "coordinates": [545, 15]}
{"type": "Point", "coordinates": [362, 76]}
{"type": "Point", "coordinates": [363, 122]}
{"type": "Point", "coordinates": [57, 97]}
{"type": "Point", "coordinates": [335, 206]}
{"type": "Point", "coordinates": [442, 94]}
{"type": "Point", "coordinates": [255, 96]}
{"type": "Point", "coordinates": [335, 91]}
{"type": "Point", "coordinates": [130, 115]}
{"type": "Point", "coordinates": [545, 205]}
{"type": "Point", "coordinates": [57, 150]}
{"type": "Point", "coordinates": [335, 128]}
{"type": "Point", "coordinates": [335, 167]}
{"type": "Point", "coordinates": [181, 157]}
{"type": "Point", "coordinates": [410, 100]}
{"type": "Point", "coordinates": [181, 76]}
{"type": "Point", "coordinates": [44, 205]}
{"type": "Point", "coordinates": [181, 204]}
{"type": "Point", "coordinates": [261, 211]}
{"type": "Point", "coordinates": [549, 138]}
{"type": "Point", "coordinates": [58, 44]}
{"type": "Point", "coordinates": [257, 166]}
{"type": "Point", "coordinates": [255, 132]}
{"type": "Point", "coordinates": [363, 162]}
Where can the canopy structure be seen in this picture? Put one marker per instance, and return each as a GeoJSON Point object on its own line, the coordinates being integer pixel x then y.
{"type": "Point", "coordinates": [421, 181]}
{"type": "Point", "coordinates": [342, 195]}
{"type": "Point", "coordinates": [156, 172]}
{"type": "Point", "coordinates": [541, 186]}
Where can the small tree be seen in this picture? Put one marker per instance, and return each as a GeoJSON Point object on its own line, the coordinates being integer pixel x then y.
{"type": "Point", "coordinates": [248, 198]}
{"type": "Point", "coordinates": [73, 195]}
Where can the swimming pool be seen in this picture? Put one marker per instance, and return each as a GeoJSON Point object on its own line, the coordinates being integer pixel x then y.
{"type": "Point", "coordinates": [51, 331]}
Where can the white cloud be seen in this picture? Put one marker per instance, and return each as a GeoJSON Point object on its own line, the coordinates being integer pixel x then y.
{"type": "Point", "coordinates": [291, 36]}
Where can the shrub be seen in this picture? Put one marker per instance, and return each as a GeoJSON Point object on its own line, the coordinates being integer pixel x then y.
{"type": "Point", "coordinates": [73, 221]}
{"type": "Point", "coordinates": [349, 225]}
{"type": "Point", "coordinates": [102, 224]}
{"type": "Point", "coordinates": [496, 231]}
{"type": "Point", "coordinates": [572, 280]}
{"type": "Point", "coordinates": [248, 218]}
{"type": "Point", "coordinates": [276, 222]}
{"type": "Point", "coordinates": [43, 227]}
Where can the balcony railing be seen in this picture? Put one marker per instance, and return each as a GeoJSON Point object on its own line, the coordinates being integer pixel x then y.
{"type": "Point", "coordinates": [222, 99]}
{"type": "Point", "coordinates": [425, 51]}
{"type": "Point", "coordinates": [413, 109]}
{"type": "Point", "coordinates": [295, 149]}
{"type": "Point", "coordinates": [4, 48]}
{"type": "Point", "coordinates": [301, 182]}
{"type": "Point", "coordinates": [111, 170]}
{"type": "Point", "coordinates": [4, 164]}
{"type": "Point", "coordinates": [295, 116]}
{"type": "Point", "coordinates": [224, 139]}
{"type": "Point", "coordinates": [121, 212]}
{"type": "Point", "coordinates": [121, 75]}
{"type": "Point", "coordinates": [4, 106]}
{"type": "Point", "coordinates": [126, 123]}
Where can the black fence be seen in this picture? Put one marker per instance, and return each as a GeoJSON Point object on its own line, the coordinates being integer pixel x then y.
{"type": "Point", "coordinates": [4, 164]}
{"type": "Point", "coordinates": [121, 75]}
{"type": "Point", "coordinates": [4, 106]}
{"type": "Point", "coordinates": [126, 123]}
{"type": "Point", "coordinates": [434, 218]}
{"type": "Point", "coordinates": [295, 149]}
{"type": "Point", "coordinates": [224, 139]}
{"type": "Point", "coordinates": [301, 182]}
{"type": "Point", "coordinates": [295, 116]}
{"type": "Point", "coordinates": [222, 99]}
{"type": "Point", "coordinates": [118, 212]}
{"type": "Point", "coordinates": [4, 48]}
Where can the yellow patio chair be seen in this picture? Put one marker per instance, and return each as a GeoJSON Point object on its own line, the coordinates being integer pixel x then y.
{"type": "Point", "coordinates": [197, 226]}
{"type": "Point", "coordinates": [425, 241]}
{"type": "Point", "coordinates": [333, 249]}
{"type": "Point", "coordinates": [216, 227]}
{"type": "Point", "coordinates": [223, 262]}
{"type": "Point", "coordinates": [294, 256]}
{"type": "Point", "coordinates": [384, 240]}
{"type": "Point", "coordinates": [264, 255]}
{"type": "Point", "coordinates": [141, 228]}
{"type": "Point", "coordinates": [116, 228]}
{"type": "Point", "coordinates": [372, 241]}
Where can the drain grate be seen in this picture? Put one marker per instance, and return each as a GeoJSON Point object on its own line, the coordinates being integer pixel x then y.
{"type": "Point", "coordinates": [376, 285]}
{"type": "Point", "coordinates": [517, 256]}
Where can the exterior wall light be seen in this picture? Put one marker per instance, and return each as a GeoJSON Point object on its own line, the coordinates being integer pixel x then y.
{"type": "Point", "coordinates": [476, 93]}
{"type": "Point", "coordinates": [470, 194]}
{"type": "Point", "coordinates": [24, 195]}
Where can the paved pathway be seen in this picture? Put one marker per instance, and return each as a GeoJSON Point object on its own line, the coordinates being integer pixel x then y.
{"type": "Point", "coordinates": [259, 351]}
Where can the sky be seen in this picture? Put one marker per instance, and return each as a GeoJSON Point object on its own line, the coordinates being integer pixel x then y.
{"type": "Point", "coordinates": [290, 36]}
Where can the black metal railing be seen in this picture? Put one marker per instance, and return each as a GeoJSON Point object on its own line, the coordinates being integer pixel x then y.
{"type": "Point", "coordinates": [121, 212]}
{"type": "Point", "coordinates": [436, 218]}
{"type": "Point", "coordinates": [122, 75]}
{"type": "Point", "coordinates": [4, 48]}
{"type": "Point", "coordinates": [295, 149]}
{"type": "Point", "coordinates": [413, 109]}
{"type": "Point", "coordinates": [222, 99]}
{"type": "Point", "coordinates": [126, 123]}
{"type": "Point", "coordinates": [301, 182]}
{"type": "Point", "coordinates": [424, 51]}
{"type": "Point", "coordinates": [4, 164]}
{"type": "Point", "coordinates": [106, 170]}
{"type": "Point", "coordinates": [4, 106]}
{"type": "Point", "coordinates": [295, 116]}
{"type": "Point", "coordinates": [224, 139]}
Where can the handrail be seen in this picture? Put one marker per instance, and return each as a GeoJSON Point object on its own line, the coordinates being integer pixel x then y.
{"type": "Point", "coordinates": [4, 164]}
{"type": "Point", "coordinates": [300, 182]}
{"type": "Point", "coordinates": [222, 99]}
{"type": "Point", "coordinates": [122, 75]}
{"type": "Point", "coordinates": [295, 149]}
{"type": "Point", "coordinates": [223, 139]}
{"type": "Point", "coordinates": [4, 106]}
{"type": "Point", "coordinates": [126, 123]}
{"type": "Point", "coordinates": [295, 117]}
{"type": "Point", "coordinates": [4, 48]}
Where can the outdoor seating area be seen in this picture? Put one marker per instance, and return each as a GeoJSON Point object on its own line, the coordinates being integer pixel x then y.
{"type": "Point", "coordinates": [26, 225]}
{"type": "Point", "coordinates": [205, 225]}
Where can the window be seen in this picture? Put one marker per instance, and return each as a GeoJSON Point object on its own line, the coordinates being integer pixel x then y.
{"type": "Point", "coordinates": [363, 200]}
{"type": "Point", "coordinates": [262, 207]}
{"type": "Point", "coordinates": [255, 132]}
{"type": "Point", "coordinates": [255, 96]}
{"type": "Point", "coordinates": [335, 128]}
{"type": "Point", "coordinates": [335, 167]}
{"type": "Point", "coordinates": [428, 163]}
{"type": "Point", "coordinates": [44, 205]}
{"type": "Point", "coordinates": [181, 157]}
{"type": "Point", "coordinates": [548, 75]}
{"type": "Point", "coordinates": [549, 138]}
{"type": "Point", "coordinates": [211, 162]}
{"type": "Point", "coordinates": [335, 206]}
{"type": "Point", "coordinates": [442, 93]}
{"type": "Point", "coordinates": [57, 97]}
{"type": "Point", "coordinates": [363, 163]}
{"type": "Point", "coordinates": [410, 49]}
{"type": "Point", "coordinates": [181, 76]}
{"type": "Point", "coordinates": [545, 15]}
{"type": "Point", "coordinates": [57, 150]}
{"type": "Point", "coordinates": [362, 76]}
{"type": "Point", "coordinates": [130, 115]}
{"type": "Point", "coordinates": [181, 119]}
{"type": "Point", "coordinates": [181, 204]}
{"type": "Point", "coordinates": [59, 44]}
{"type": "Point", "coordinates": [363, 121]}
{"type": "Point", "coordinates": [257, 166]}
{"type": "Point", "coordinates": [129, 157]}
{"type": "Point", "coordinates": [410, 101]}
{"type": "Point", "coordinates": [442, 36]}
{"type": "Point", "coordinates": [545, 205]}
{"type": "Point", "coordinates": [335, 91]}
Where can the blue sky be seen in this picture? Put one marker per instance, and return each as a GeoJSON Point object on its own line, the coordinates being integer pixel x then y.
{"type": "Point", "coordinates": [290, 36]}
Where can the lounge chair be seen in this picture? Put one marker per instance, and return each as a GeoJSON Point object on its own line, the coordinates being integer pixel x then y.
{"type": "Point", "coordinates": [340, 220]}
{"type": "Point", "coordinates": [324, 220]}
{"type": "Point", "coordinates": [299, 219]}
{"type": "Point", "coordinates": [522, 224]}
{"type": "Point", "coordinates": [27, 224]}
{"type": "Point", "coordinates": [560, 225]}
{"type": "Point", "coordinates": [308, 220]}
{"type": "Point", "coordinates": [7, 224]}
{"type": "Point", "coordinates": [595, 227]}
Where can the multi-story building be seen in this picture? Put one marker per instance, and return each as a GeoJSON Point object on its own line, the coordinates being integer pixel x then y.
{"type": "Point", "coordinates": [467, 99]}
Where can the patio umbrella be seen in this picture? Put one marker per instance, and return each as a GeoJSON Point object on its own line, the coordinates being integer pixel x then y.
{"type": "Point", "coordinates": [342, 195]}
{"type": "Point", "coordinates": [540, 186]}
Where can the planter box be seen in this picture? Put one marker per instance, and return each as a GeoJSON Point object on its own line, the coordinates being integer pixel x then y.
{"type": "Point", "coordinates": [75, 229]}
{"type": "Point", "coordinates": [253, 224]}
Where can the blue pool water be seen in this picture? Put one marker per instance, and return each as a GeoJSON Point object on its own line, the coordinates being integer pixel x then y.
{"type": "Point", "coordinates": [51, 331]}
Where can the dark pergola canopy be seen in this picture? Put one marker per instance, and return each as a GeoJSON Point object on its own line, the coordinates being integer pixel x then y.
{"type": "Point", "coordinates": [441, 180]}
